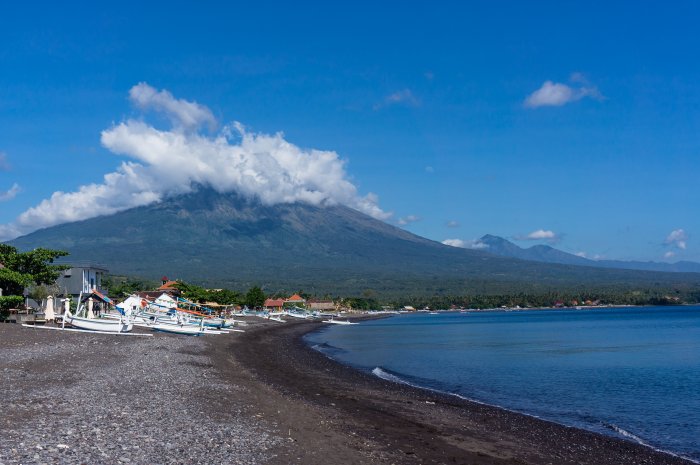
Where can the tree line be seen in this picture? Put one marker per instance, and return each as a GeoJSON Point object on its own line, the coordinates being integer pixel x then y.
{"type": "Point", "coordinates": [34, 272]}
{"type": "Point", "coordinates": [22, 272]}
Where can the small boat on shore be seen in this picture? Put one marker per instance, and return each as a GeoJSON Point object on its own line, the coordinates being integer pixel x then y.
{"type": "Point", "coordinates": [119, 324]}
{"type": "Point", "coordinates": [106, 325]}
{"type": "Point", "coordinates": [181, 325]}
{"type": "Point", "coordinates": [340, 322]}
{"type": "Point", "coordinates": [180, 329]}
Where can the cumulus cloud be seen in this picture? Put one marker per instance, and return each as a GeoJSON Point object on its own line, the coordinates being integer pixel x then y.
{"type": "Point", "coordinates": [452, 224]}
{"type": "Point", "coordinates": [539, 235]}
{"type": "Point", "coordinates": [557, 94]}
{"type": "Point", "coordinates": [182, 113]}
{"type": "Point", "coordinates": [4, 164]}
{"type": "Point", "coordinates": [174, 161]}
{"type": "Point", "coordinates": [408, 219]}
{"type": "Point", "coordinates": [10, 194]}
{"type": "Point", "coordinates": [677, 238]}
{"type": "Point", "coordinates": [669, 254]}
{"type": "Point", "coordinates": [402, 97]}
{"type": "Point", "coordinates": [580, 254]}
{"type": "Point", "coordinates": [475, 244]}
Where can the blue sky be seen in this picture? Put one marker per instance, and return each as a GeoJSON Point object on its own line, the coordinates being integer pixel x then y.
{"type": "Point", "coordinates": [575, 121]}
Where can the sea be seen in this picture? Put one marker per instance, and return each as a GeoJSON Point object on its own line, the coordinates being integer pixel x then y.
{"type": "Point", "coordinates": [632, 373]}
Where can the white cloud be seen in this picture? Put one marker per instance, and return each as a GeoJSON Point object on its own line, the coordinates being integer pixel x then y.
{"type": "Point", "coordinates": [175, 161]}
{"type": "Point", "coordinates": [580, 254]}
{"type": "Point", "coordinates": [4, 164]}
{"type": "Point", "coordinates": [539, 235]}
{"type": "Point", "coordinates": [557, 94]}
{"type": "Point", "coordinates": [429, 169]}
{"type": "Point", "coordinates": [401, 97]}
{"type": "Point", "coordinates": [408, 219]}
{"type": "Point", "coordinates": [453, 224]}
{"type": "Point", "coordinates": [470, 244]}
{"type": "Point", "coordinates": [10, 194]}
{"type": "Point", "coordinates": [678, 238]}
{"type": "Point", "coordinates": [669, 254]}
{"type": "Point", "coordinates": [182, 113]}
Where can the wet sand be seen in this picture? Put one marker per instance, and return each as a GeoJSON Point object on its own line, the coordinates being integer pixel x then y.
{"type": "Point", "coordinates": [257, 397]}
{"type": "Point", "coordinates": [334, 414]}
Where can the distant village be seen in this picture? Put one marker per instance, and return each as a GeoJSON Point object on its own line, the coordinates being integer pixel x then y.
{"type": "Point", "coordinates": [83, 278]}
{"type": "Point", "coordinates": [86, 278]}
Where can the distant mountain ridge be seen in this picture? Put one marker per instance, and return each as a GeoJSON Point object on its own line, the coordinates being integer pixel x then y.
{"type": "Point", "coordinates": [226, 240]}
{"type": "Point", "coordinates": [546, 254]}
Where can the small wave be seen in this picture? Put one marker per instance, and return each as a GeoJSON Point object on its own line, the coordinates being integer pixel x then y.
{"type": "Point", "coordinates": [387, 376]}
{"type": "Point", "coordinates": [624, 433]}
{"type": "Point", "coordinates": [325, 347]}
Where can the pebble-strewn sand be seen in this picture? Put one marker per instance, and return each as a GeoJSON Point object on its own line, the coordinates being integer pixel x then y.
{"type": "Point", "coordinates": [83, 398]}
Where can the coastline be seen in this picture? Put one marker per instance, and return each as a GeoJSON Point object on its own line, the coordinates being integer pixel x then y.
{"type": "Point", "coordinates": [329, 408]}
{"type": "Point", "coordinates": [259, 397]}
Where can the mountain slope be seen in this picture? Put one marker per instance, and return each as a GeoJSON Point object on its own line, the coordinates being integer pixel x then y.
{"type": "Point", "coordinates": [544, 253]}
{"type": "Point", "coordinates": [226, 240]}
{"type": "Point", "coordinates": [538, 253]}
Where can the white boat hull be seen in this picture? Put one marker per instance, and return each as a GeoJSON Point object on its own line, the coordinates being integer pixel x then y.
{"type": "Point", "coordinates": [178, 329]}
{"type": "Point", "coordinates": [102, 325]}
{"type": "Point", "coordinates": [338, 322]}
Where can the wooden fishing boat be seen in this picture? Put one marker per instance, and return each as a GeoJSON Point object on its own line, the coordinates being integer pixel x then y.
{"type": "Point", "coordinates": [105, 325]}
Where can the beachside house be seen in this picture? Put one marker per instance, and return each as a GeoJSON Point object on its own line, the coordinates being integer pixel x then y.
{"type": "Point", "coordinates": [169, 287]}
{"type": "Point", "coordinates": [274, 305]}
{"type": "Point", "coordinates": [321, 305]}
{"type": "Point", "coordinates": [295, 301]}
{"type": "Point", "coordinates": [81, 278]}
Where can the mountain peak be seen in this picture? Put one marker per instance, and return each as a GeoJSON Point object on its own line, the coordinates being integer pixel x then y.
{"type": "Point", "coordinates": [227, 240]}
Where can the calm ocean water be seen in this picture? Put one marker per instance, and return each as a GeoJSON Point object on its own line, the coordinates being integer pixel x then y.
{"type": "Point", "coordinates": [633, 373]}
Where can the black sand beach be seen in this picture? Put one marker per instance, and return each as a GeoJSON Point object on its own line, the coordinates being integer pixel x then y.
{"type": "Point", "coordinates": [261, 396]}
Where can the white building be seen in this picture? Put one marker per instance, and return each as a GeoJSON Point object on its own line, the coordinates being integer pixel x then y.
{"type": "Point", "coordinates": [82, 277]}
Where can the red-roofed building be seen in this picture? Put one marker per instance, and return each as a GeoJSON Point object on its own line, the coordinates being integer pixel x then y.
{"type": "Point", "coordinates": [274, 304]}
{"type": "Point", "coordinates": [295, 301]}
{"type": "Point", "coordinates": [169, 287]}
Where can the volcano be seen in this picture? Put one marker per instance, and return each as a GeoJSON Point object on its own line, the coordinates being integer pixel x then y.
{"type": "Point", "coordinates": [216, 239]}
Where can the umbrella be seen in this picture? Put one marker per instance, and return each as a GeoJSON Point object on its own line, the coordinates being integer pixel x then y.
{"type": "Point", "coordinates": [48, 312]}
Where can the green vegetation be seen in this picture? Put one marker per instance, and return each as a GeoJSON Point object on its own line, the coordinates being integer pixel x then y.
{"type": "Point", "coordinates": [124, 286]}
{"type": "Point", "coordinates": [554, 298]}
{"type": "Point", "coordinates": [201, 295]}
{"type": "Point", "coordinates": [255, 297]}
{"type": "Point", "coordinates": [20, 270]}
{"type": "Point", "coordinates": [372, 299]}
{"type": "Point", "coordinates": [360, 303]}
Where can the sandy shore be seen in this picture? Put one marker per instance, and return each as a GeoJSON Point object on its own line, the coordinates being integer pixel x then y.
{"type": "Point", "coordinates": [256, 397]}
